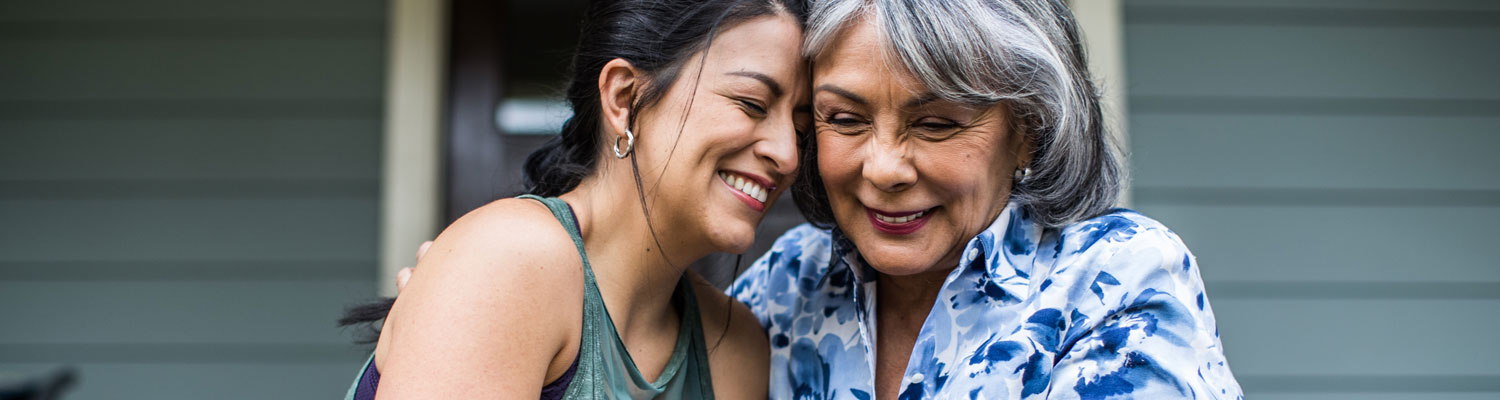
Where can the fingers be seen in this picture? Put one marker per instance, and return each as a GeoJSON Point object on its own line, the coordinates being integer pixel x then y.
{"type": "Point", "coordinates": [405, 273]}
{"type": "Point", "coordinates": [401, 277]}
{"type": "Point", "coordinates": [422, 250]}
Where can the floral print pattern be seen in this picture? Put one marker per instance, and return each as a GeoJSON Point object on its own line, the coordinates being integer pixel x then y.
{"type": "Point", "coordinates": [1110, 307]}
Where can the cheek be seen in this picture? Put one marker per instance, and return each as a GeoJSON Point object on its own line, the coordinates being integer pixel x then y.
{"type": "Point", "coordinates": [839, 160]}
{"type": "Point", "coordinates": [968, 171]}
{"type": "Point", "coordinates": [713, 133]}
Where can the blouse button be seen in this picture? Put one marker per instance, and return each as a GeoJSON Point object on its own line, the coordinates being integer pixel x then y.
{"type": "Point", "coordinates": [973, 253]}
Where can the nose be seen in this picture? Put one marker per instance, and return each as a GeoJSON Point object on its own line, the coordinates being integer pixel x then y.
{"type": "Point", "coordinates": [887, 166]}
{"type": "Point", "coordinates": [778, 147]}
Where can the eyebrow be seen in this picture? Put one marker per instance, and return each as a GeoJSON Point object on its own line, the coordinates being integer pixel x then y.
{"type": "Point", "coordinates": [919, 101]}
{"type": "Point", "coordinates": [845, 93]}
{"type": "Point", "coordinates": [770, 83]}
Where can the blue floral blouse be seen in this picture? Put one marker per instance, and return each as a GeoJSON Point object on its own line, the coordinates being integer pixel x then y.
{"type": "Point", "coordinates": [1111, 307]}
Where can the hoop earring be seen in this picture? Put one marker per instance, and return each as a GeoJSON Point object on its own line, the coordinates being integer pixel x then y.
{"type": "Point", "coordinates": [1022, 173]}
{"type": "Point", "coordinates": [629, 144]}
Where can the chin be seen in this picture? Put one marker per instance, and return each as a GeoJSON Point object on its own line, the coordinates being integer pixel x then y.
{"type": "Point", "coordinates": [899, 259]}
{"type": "Point", "coordinates": [733, 240]}
{"type": "Point", "coordinates": [897, 265]}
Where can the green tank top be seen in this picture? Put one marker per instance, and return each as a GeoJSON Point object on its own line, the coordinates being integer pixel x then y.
{"type": "Point", "coordinates": [605, 369]}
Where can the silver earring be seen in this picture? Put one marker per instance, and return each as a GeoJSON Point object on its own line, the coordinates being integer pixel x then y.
{"type": "Point", "coordinates": [629, 144]}
{"type": "Point", "coordinates": [1022, 174]}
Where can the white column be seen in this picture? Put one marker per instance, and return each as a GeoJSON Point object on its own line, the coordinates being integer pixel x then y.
{"type": "Point", "coordinates": [411, 193]}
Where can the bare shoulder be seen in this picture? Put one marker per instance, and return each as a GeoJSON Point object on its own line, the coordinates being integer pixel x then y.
{"type": "Point", "coordinates": [490, 308]}
{"type": "Point", "coordinates": [739, 355]}
{"type": "Point", "coordinates": [507, 228]}
{"type": "Point", "coordinates": [514, 248]}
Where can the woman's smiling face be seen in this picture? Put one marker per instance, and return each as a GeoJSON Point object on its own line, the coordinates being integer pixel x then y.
{"type": "Point", "coordinates": [910, 177]}
{"type": "Point", "coordinates": [716, 169]}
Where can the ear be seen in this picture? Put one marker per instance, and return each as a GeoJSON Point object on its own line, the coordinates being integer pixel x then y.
{"type": "Point", "coordinates": [617, 90]}
{"type": "Point", "coordinates": [1021, 147]}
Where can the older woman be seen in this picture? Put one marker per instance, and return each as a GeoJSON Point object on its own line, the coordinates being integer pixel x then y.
{"type": "Point", "coordinates": [959, 186]}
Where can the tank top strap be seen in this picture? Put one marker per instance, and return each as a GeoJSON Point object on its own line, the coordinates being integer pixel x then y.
{"type": "Point", "coordinates": [595, 376]}
{"type": "Point", "coordinates": [693, 323]}
{"type": "Point", "coordinates": [588, 377]}
{"type": "Point", "coordinates": [564, 215]}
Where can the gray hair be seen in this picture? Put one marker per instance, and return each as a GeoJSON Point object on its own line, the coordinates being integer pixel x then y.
{"type": "Point", "coordinates": [1025, 54]}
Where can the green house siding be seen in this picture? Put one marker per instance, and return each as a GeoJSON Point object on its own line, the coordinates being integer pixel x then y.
{"type": "Point", "coordinates": [1331, 163]}
{"type": "Point", "coordinates": [188, 193]}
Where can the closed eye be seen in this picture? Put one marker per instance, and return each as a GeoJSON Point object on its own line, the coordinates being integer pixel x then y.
{"type": "Point", "coordinates": [752, 108]}
{"type": "Point", "coordinates": [937, 125]}
{"type": "Point", "coordinates": [843, 123]}
{"type": "Point", "coordinates": [932, 128]}
{"type": "Point", "coordinates": [843, 119]}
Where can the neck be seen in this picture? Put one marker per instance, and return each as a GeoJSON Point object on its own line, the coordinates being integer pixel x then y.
{"type": "Point", "coordinates": [908, 299]}
{"type": "Point", "coordinates": [636, 274]}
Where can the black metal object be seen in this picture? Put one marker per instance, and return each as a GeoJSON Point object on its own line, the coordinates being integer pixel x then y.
{"type": "Point", "coordinates": [47, 386]}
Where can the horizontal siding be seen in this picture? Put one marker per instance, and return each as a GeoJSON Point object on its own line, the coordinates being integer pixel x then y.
{"type": "Point", "coordinates": [1367, 337]}
{"type": "Point", "coordinates": [190, 68]}
{"type": "Point", "coordinates": [187, 108]}
{"type": "Point", "coordinates": [108, 313]}
{"type": "Point", "coordinates": [1328, 163]}
{"type": "Point", "coordinates": [1315, 152]}
{"type": "Point", "coordinates": [232, 270]}
{"type": "Point", "coordinates": [188, 193]}
{"type": "Point", "coordinates": [1197, 61]}
{"type": "Point", "coordinates": [187, 229]}
{"type": "Point", "coordinates": [1337, 244]}
{"type": "Point", "coordinates": [220, 381]}
{"type": "Point", "coordinates": [192, 149]}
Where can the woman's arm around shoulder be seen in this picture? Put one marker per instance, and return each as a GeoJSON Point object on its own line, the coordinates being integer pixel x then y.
{"type": "Point", "coordinates": [738, 355]}
{"type": "Point", "coordinates": [498, 302]}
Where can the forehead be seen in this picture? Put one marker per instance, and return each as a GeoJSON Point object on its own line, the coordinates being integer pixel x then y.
{"type": "Point", "coordinates": [769, 44]}
{"type": "Point", "coordinates": [858, 59]}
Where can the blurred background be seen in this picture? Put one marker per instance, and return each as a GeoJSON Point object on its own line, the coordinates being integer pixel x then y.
{"type": "Point", "coordinates": [192, 190]}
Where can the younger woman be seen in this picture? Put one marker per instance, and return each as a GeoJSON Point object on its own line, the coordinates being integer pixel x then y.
{"type": "Point", "coordinates": [683, 132]}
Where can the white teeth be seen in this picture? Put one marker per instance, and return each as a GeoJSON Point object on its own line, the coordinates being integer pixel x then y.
{"type": "Point", "coordinates": [899, 220]}
{"type": "Point", "coordinates": [746, 186]}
